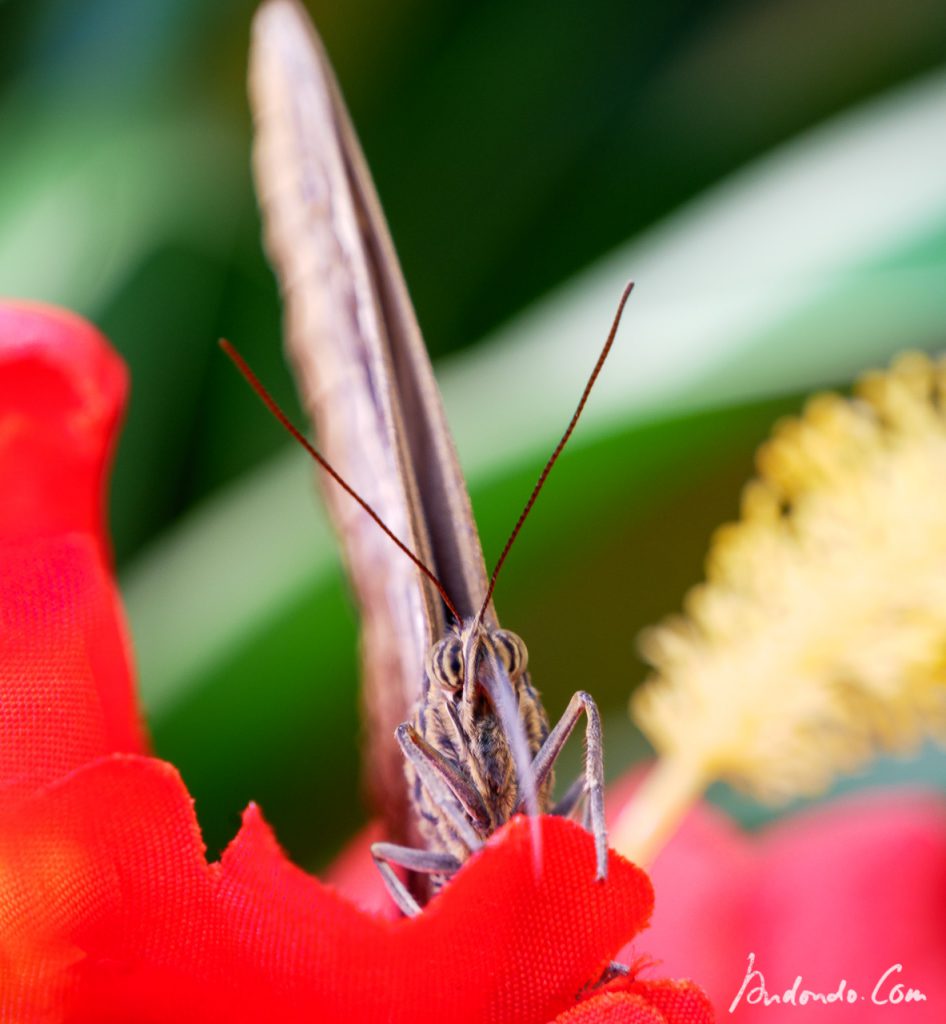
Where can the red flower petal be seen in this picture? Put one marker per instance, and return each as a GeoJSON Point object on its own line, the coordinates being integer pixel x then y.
{"type": "Point", "coordinates": [634, 1001]}
{"type": "Point", "coordinates": [844, 890]}
{"type": "Point", "coordinates": [67, 690]}
{"type": "Point", "coordinates": [679, 1002]}
{"type": "Point", "coordinates": [115, 916]}
{"type": "Point", "coordinates": [62, 391]}
{"type": "Point", "coordinates": [355, 875]}
{"type": "Point", "coordinates": [616, 1008]}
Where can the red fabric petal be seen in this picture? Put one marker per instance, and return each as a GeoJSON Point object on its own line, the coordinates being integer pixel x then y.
{"type": "Point", "coordinates": [81, 865]}
{"type": "Point", "coordinates": [679, 1002]}
{"type": "Point", "coordinates": [616, 1008]}
{"type": "Point", "coordinates": [64, 666]}
{"type": "Point", "coordinates": [634, 1001]}
{"type": "Point", "coordinates": [64, 663]}
{"type": "Point", "coordinates": [62, 391]}
{"type": "Point", "coordinates": [842, 891]}
{"type": "Point", "coordinates": [114, 916]}
{"type": "Point", "coordinates": [356, 876]}
{"type": "Point", "coordinates": [499, 944]}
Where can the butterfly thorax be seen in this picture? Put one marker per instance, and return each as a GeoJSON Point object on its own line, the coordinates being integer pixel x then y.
{"type": "Point", "coordinates": [460, 718]}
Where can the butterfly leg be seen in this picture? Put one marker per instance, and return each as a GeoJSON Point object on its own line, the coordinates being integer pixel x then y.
{"type": "Point", "coordinates": [581, 703]}
{"type": "Point", "coordinates": [459, 802]}
{"type": "Point", "coordinates": [423, 861]}
{"type": "Point", "coordinates": [448, 787]}
{"type": "Point", "coordinates": [612, 971]}
{"type": "Point", "coordinates": [615, 969]}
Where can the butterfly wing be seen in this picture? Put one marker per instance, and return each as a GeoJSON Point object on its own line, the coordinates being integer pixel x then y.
{"type": "Point", "coordinates": [364, 376]}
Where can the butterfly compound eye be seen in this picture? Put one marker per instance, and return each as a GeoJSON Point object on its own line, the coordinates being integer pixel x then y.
{"type": "Point", "coordinates": [512, 652]}
{"type": "Point", "coordinates": [445, 663]}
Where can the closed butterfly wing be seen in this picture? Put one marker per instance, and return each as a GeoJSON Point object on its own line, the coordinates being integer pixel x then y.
{"type": "Point", "coordinates": [365, 379]}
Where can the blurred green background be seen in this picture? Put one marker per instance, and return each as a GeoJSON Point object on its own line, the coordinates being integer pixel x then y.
{"type": "Point", "coordinates": [773, 175]}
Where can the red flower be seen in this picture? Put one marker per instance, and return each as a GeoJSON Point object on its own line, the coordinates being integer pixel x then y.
{"type": "Point", "coordinates": [845, 891]}
{"type": "Point", "coordinates": [108, 908]}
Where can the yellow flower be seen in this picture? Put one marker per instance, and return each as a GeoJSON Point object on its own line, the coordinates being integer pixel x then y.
{"type": "Point", "coordinates": [819, 635]}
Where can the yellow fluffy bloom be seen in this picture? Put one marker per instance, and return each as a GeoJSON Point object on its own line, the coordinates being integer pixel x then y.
{"type": "Point", "coordinates": [819, 635]}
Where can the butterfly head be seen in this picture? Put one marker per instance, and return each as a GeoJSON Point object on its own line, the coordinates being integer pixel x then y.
{"type": "Point", "coordinates": [462, 663]}
{"type": "Point", "coordinates": [499, 724]}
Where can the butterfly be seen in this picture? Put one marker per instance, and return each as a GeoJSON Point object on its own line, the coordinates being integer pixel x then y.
{"type": "Point", "coordinates": [457, 739]}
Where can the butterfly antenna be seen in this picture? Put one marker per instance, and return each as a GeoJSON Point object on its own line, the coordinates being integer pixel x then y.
{"type": "Point", "coordinates": [240, 363]}
{"type": "Point", "coordinates": [553, 458]}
